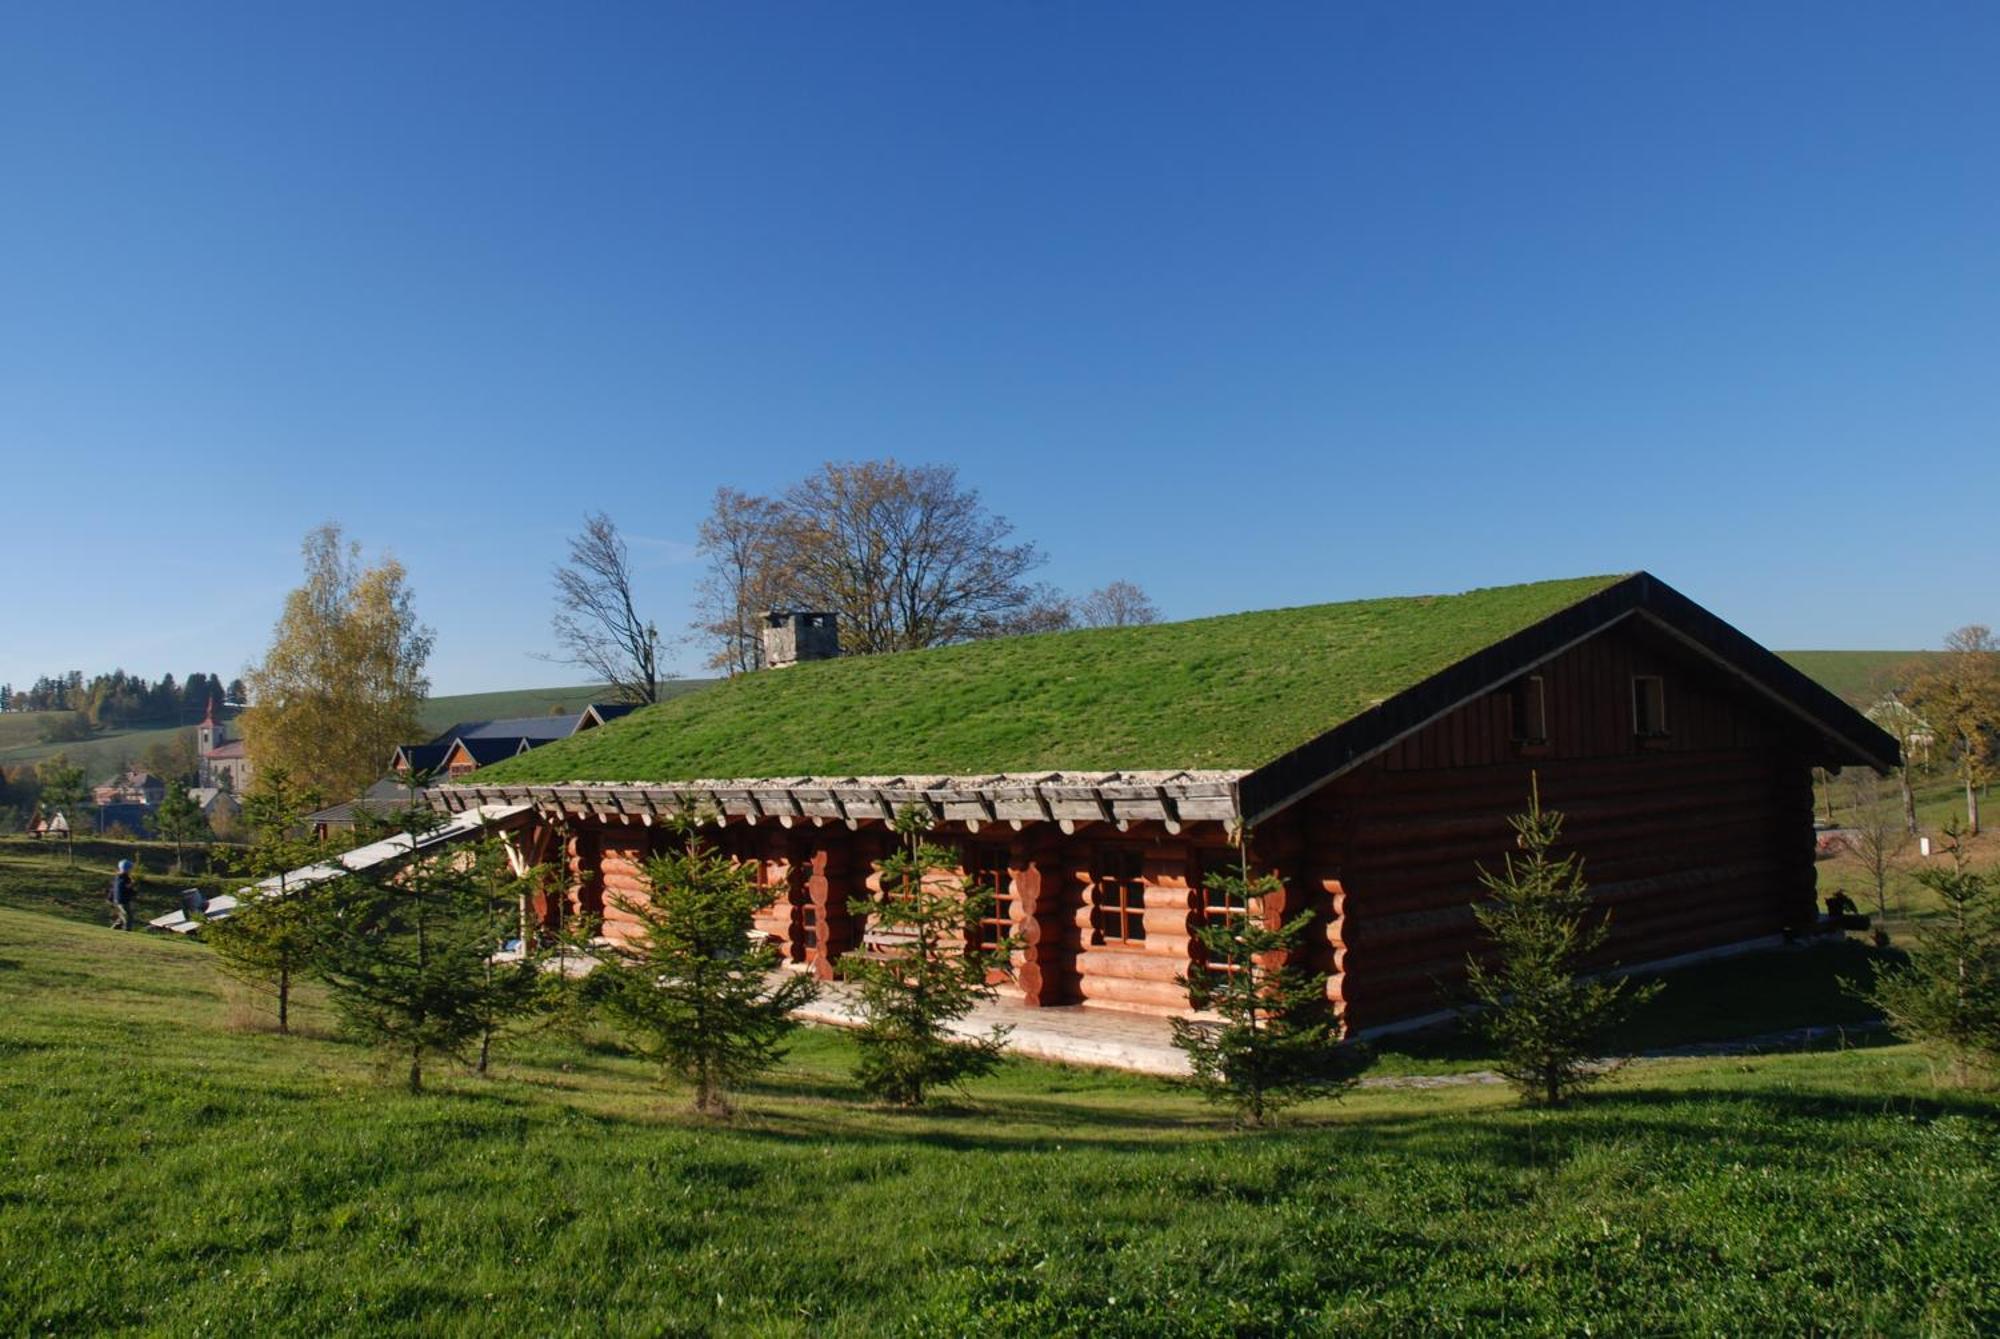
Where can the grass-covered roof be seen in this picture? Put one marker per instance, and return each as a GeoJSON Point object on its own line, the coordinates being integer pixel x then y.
{"type": "Point", "coordinates": [1229, 692]}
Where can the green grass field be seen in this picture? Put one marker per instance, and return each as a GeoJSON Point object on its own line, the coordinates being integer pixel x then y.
{"type": "Point", "coordinates": [167, 1167]}
{"type": "Point", "coordinates": [1859, 677]}
{"type": "Point", "coordinates": [100, 756]}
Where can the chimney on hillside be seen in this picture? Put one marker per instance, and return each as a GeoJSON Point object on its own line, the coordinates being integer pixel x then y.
{"type": "Point", "coordinates": [793, 635]}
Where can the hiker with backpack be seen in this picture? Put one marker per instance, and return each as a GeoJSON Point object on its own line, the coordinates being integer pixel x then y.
{"type": "Point", "coordinates": [120, 897]}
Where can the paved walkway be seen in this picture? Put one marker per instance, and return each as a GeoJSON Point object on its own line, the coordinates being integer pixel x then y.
{"type": "Point", "coordinates": [1074, 1035]}
{"type": "Point", "coordinates": [1142, 1044]}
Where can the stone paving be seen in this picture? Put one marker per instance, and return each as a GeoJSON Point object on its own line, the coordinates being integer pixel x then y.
{"type": "Point", "coordinates": [1074, 1035]}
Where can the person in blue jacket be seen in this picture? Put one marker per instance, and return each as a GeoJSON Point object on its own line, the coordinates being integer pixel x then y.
{"type": "Point", "coordinates": [120, 897]}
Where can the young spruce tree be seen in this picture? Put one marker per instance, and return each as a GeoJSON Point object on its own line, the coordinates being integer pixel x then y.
{"type": "Point", "coordinates": [179, 819]}
{"type": "Point", "coordinates": [407, 946]}
{"type": "Point", "coordinates": [691, 990]}
{"type": "Point", "coordinates": [1946, 998]}
{"type": "Point", "coordinates": [1276, 1041]}
{"type": "Point", "coordinates": [1543, 1015]}
{"type": "Point", "coordinates": [268, 941]}
{"type": "Point", "coordinates": [911, 995]}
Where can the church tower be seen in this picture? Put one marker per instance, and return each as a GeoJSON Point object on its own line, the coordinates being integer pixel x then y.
{"type": "Point", "coordinates": [209, 734]}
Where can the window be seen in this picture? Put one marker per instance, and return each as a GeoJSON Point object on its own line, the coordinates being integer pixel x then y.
{"type": "Point", "coordinates": [1217, 906]}
{"type": "Point", "coordinates": [1531, 710]}
{"type": "Point", "coordinates": [1118, 895]}
{"type": "Point", "coordinates": [1649, 706]}
{"type": "Point", "coordinates": [985, 865]}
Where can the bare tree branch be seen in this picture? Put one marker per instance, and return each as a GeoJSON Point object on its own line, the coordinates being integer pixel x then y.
{"type": "Point", "coordinates": [596, 623]}
{"type": "Point", "coordinates": [1122, 604]}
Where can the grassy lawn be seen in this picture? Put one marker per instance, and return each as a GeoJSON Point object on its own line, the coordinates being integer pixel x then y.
{"type": "Point", "coordinates": [39, 875]}
{"type": "Point", "coordinates": [161, 1170]}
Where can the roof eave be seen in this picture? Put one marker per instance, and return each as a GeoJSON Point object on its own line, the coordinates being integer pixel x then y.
{"type": "Point", "coordinates": [1173, 799]}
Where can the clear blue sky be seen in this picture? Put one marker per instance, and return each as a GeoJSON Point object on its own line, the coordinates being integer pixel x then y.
{"type": "Point", "coordinates": [1255, 305]}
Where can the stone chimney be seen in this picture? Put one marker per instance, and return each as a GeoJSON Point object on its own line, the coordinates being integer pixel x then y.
{"type": "Point", "coordinates": [793, 635]}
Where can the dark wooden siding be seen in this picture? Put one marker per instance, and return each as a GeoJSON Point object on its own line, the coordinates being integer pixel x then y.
{"type": "Point", "coordinates": [1692, 840]}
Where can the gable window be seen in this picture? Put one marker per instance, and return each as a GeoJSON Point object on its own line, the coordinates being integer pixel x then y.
{"type": "Point", "coordinates": [985, 865]}
{"type": "Point", "coordinates": [1531, 710]}
{"type": "Point", "coordinates": [1118, 895]}
{"type": "Point", "coordinates": [1649, 706]}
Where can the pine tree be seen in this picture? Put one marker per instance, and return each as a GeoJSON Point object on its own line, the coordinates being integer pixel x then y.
{"type": "Point", "coordinates": [63, 792]}
{"type": "Point", "coordinates": [179, 819]}
{"type": "Point", "coordinates": [1545, 1018]}
{"type": "Point", "coordinates": [405, 951]}
{"type": "Point", "coordinates": [690, 989]}
{"type": "Point", "coordinates": [511, 988]}
{"type": "Point", "coordinates": [268, 942]}
{"type": "Point", "coordinates": [910, 996]}
{"type": "Point", "coordinates": [1946, 997]}
{"type": "Point", "coordinates": [1276, 1041]}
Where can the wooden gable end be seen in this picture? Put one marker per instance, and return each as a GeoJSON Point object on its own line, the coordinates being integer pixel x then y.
{"type": "Point", "coordinates": [1589, 708]}
{"type": "Point", "coordinates": [458, 760]}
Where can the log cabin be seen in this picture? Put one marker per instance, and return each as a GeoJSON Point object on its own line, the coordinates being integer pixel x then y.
{"type": "Point", "coordinates": [1368, 753]}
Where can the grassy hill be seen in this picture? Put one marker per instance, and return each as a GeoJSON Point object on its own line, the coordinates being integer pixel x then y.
{"type": "Point", "coordinates": [100, 756]}
{"type": "Point", "coordinates": [167, 1166]}
{"type": "Point", "coordinates": [1859, 677]}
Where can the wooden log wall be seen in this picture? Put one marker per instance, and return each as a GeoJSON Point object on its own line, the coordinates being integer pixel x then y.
{"type": "Point", "coordinates": [622, 866]}
{"type": "Point", "coordinates": [822, 879]}
{"type": "Point", "coordinates": [586, 882]}
{"type": "Point", "coordinates": [1044, 918]}
{"type": "Point", "coordinates": [1694, 840]}
{"type": "Point", "coordinates": [1139, 975]}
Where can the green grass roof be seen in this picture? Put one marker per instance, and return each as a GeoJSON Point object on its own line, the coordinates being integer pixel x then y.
{"type": "Point", "coordinates": [1229, 692]}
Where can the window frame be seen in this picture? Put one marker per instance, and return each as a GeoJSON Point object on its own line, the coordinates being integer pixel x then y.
{"type": "Point", "coordinates": [1652, 704]}
{"type": "Point", "coordinates": [989, 864]}
{"type": "Point", "coordinates": [1119, 869]}
{"type": "Point", "coordinates": [1525, 685]}
{"type": "Point", "coordinates": [1209, 913]}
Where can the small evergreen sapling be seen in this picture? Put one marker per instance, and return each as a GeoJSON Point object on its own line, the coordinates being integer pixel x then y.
{"type": "Point", "coordinates": [406, 952]}
{"type": "Point", "coordinates": [268, 942]}
{"type": "Point", "coordinates": [691, 989]}
{"type": "Point", "coordinates": [1546, 1019]}
{"type": "Point", "coordinates": [179, 820]}
{"type": "Point", "coordinates": [911, 995]}
{"type": "Point", "coordinates": [1276, 1041]}
{"type": "Point", "coordinates": [512, 987]}
{"type": "Point", "coordinates": [1946, 997]}
{"type": "Point", "coordinates": [63, 792]}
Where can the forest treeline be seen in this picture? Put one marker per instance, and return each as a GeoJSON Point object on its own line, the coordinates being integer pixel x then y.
{"type": "Point", "coordinates": [118, 699]}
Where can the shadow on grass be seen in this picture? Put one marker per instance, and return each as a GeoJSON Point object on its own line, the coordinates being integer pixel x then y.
{"type": "Point", "coordinates": [1760, 994]}
{"type": "Point", "coordinates": [1801, 1104]}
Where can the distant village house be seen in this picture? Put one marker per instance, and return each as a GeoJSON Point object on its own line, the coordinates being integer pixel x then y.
{"type": "Point", "coordinates": [458, 752]}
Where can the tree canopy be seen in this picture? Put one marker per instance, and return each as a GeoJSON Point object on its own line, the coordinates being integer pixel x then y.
{"type": "Point", "coordinates": [343, 680]}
